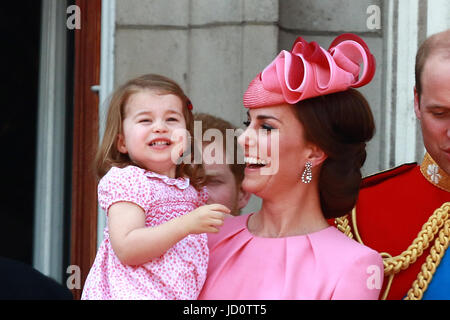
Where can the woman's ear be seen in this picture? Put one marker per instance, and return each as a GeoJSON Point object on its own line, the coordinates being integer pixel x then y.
{"type": "Point", "coordinates": [316, 156]}
{"type": "Point", "coordinates": [121, 146]}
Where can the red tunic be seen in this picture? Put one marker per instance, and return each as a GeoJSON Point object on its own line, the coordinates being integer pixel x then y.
{"type": "Point", "coordinates": [391, 210]}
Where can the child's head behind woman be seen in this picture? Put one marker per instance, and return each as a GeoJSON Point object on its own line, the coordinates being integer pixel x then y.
{"type": "Point", "coordinates": [144, 113]}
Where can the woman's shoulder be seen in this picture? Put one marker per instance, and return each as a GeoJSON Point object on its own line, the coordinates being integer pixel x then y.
{"type": "Point", "coordinates": [337, 243]}
{"type": "Point", "coordinates": [358, 269]}
{"type": "Point", "coordinates": [233, 223]}
{"type": "Point", "coordinates": [342, 253]}
{"type": "Point", "coordinates": [231, 226]}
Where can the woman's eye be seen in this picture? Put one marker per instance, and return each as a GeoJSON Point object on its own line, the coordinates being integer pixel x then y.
{"type": "Point", "coordinates": [144, 120]}
{"type": "Point", "coordinates": [267, 127]}
{"type": "Point", "coordinates": [172, 119]}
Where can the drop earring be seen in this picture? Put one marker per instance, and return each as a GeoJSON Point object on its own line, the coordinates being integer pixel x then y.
{"type": "Point", "coordinates": [307, 173]}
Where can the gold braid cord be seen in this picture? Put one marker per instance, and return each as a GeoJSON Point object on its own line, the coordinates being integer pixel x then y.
{"type": "Point", "coordinates": [343, 225]}
{"type": "Point", "coordinates": [438, 222]}
{"type": "Point", "coordinates": [428, 268]}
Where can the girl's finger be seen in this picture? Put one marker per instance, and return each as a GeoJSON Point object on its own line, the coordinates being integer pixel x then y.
{"type": "Point", "coordinates": [212, 230]}
{"type": "Point", "coordinates": [216, 222]}
{"type": "Point", "coordinates": [219, 207]}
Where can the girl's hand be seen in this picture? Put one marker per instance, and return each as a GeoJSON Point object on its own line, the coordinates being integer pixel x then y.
{"type": "Point", "coordinates": [206, 218]}
{"type": "Point", "coordinates": [136, 244]}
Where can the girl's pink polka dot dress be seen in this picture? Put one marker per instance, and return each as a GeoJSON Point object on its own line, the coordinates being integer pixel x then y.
{"type": "Point", "coordinates": [181, 271]}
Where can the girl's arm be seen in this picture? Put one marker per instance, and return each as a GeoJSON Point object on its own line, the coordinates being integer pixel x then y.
{"type": "Point", "coordinates": [135, 244]}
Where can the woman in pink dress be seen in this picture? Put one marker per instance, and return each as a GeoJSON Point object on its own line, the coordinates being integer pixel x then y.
{"type": "Point", "coordinates": [155, 246]}
{"type": "Point", "coordinates": [304, 147]}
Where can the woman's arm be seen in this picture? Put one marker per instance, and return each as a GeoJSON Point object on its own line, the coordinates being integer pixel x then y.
{"type": "Point", "coordinates": [135, 244]}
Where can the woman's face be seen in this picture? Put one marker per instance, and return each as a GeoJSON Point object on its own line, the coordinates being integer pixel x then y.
{"type": "Point", "coordinates": [275, 150]}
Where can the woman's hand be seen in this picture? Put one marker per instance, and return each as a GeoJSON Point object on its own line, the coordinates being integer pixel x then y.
{"type": "Point", "coordinates": [207, 218]}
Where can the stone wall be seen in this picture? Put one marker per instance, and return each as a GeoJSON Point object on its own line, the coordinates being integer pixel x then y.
{"type": "Point", "coordinates": [212, 48]}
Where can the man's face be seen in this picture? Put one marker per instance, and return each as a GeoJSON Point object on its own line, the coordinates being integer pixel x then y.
{"type": "Point", "coordinates": [433, 109]}
{"type": "Point", "coordinates": [222, 186]}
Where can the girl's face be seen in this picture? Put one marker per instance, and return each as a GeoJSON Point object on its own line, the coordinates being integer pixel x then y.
{"type": "Point", "coordinates": [279, 150]}
{"type": "Point", "coordinates": [154, 131]}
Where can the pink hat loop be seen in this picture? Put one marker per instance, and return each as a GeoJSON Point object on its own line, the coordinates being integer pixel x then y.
{"type": "Point", "coordinates": [309, 71]}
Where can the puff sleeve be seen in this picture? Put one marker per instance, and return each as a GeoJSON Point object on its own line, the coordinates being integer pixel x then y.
{"type": "Point", "coordinates": [123, 185]}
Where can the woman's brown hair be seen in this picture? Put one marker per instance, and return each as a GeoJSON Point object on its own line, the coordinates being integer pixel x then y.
{"type": "Point", "coordinates": [108, 156]}
{"type": "Point", "coordinates": [340, 124]}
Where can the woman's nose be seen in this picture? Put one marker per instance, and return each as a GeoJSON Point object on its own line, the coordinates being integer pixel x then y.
{"type": "Point", "coordinates": [247, 139]}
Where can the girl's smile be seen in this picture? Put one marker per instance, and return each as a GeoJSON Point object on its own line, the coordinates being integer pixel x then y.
{"type": "Point", "coordinates": [160, 143]}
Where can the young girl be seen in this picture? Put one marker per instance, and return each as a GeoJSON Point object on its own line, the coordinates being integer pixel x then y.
{"type": "Point", "coordinates": [155, 245]}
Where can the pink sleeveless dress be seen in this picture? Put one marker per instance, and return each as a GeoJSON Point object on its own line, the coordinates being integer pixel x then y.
{"type": "Point", "coordinates": [318, 266]}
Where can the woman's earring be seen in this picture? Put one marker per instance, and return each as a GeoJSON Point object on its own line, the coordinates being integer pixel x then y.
{"type": "Point", "coordinates": [307, 173]}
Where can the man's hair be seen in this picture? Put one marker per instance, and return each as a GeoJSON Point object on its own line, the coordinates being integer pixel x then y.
{"type": "Point", "coordinates": [438, 43]}
{"type": "Point", "coordinates": [212, 122]}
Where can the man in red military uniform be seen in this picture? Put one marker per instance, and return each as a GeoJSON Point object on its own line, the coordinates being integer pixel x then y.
{"type": "Point", "coordinates": [404, 212]}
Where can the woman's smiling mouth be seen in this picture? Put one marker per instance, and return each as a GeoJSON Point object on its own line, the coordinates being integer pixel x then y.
{"type": "Point", "coordinates": [253, 162]}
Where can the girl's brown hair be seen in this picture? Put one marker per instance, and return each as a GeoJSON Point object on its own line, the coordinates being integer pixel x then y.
{"type": "Point", "coordinates": [108, 156]}
{"type": "Point", "coordinates": [340, 124]}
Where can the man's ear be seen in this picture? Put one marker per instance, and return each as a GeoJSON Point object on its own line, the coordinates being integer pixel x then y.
{"type": "Point", "coordinates": [417, 104]}
{"type": "Point", "coordinates": [121, 146]}
{"type": "Point", "coordinates": [243, 198]}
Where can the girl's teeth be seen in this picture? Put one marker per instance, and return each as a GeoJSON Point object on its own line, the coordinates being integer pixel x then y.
{"type": "Point", "coordinates": [158, 143]}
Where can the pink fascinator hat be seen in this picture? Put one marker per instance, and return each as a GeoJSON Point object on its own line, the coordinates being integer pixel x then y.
{"type": "Point", "coordinates": [309, 71]}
